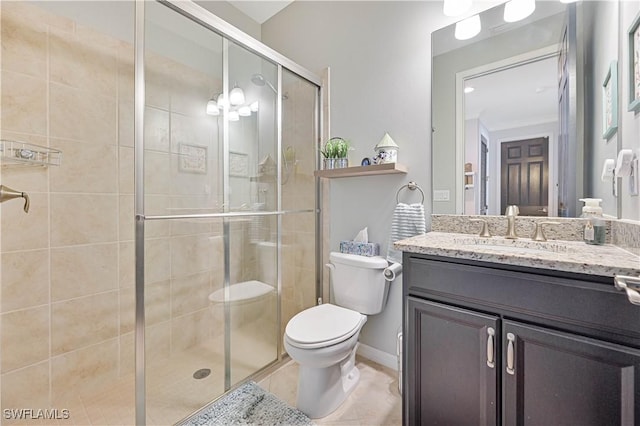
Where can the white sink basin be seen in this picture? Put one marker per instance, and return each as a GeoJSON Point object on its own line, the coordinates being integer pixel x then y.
{"type": "Point", "coordinates": [513, 246]}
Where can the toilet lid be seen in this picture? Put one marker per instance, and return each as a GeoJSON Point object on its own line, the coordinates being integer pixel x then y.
{"type": "Point", "coordinates": [324, 324]}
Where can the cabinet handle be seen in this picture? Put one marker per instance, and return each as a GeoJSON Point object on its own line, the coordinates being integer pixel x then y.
{"type": "Point", "coordinates": [491, 347]}
{"type": "Point", "coordinates": [511, 339]}
{"type": "Point", "coordinates": [629, 284]}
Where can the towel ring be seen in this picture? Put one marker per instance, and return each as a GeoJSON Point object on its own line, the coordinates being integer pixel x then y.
{"type": "Point", "coordinates": [412, 186]}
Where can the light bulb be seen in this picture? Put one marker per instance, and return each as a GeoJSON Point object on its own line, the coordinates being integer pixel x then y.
{"type": "Point", "coordinates": [254, 106]}
{"type": "Point", "coordinates": [236, 96]}
{"type": "Point", "coordinates": [212, 107]}
{"type": "Point", "coordinates": [468, 28]}
{"type": "Point", "coordinates": [517, 10]}
{"type": "Point", "coordinates": [455, 7]}
{"type": "Point", "coordinates": [244, 111]}
{"type": "Point", "coordinates": [234, 116]}
{"type": "Point", "coordinates": [222, 102]}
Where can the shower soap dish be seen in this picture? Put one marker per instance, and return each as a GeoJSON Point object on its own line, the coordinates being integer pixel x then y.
{"type": "Point", "coordinates": [22, 153]}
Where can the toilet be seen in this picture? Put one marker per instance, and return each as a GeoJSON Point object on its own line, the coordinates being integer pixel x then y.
{"type": "Point", "coordinates": [323, 339]}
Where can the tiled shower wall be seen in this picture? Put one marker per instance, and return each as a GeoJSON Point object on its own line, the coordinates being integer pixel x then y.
{"type": "Point", "coordinates": [67, 267]}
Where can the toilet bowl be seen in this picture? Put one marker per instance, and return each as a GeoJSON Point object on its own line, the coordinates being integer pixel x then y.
{"type": "Point", "coordinates": [323, 339]}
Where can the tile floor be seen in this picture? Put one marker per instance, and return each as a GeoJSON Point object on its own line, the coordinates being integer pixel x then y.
{"type": "Point", "coordinates": [172, 394]}
{"type": "Point", "coordinates": [375, 401]}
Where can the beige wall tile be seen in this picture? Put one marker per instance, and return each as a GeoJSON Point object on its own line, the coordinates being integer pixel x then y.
{"type": "Point", "coordinates": [156, 129]}
{"type": "Point", "coordinates": [126, 71]}
{"type": "Point", "coordinates": [25, 231]}
{"type": "Point", "coordinates": [126, 123]}
{"type": "Point", "coordinates": [85, 321]}
{"type": "Point", "coordinates": [157, 205]}
{"type": "Point", "coordinates": [81, 115]}
{"type": "Point", "coordinates": [24, 44]}
{"type": "Point", "coordinates": [25, 337]}
{"type": "Point", "coordinates": [157, 305]}
{"type": "Point", "coordinates": [24, 103]}
{"type": "Point", "coordinates": [190, 254]}
{"type": "Point", "coordinates": [189, 330]}
{"type": "Point", "coordinates": [190, 294]}
{"type": "Point", "coordinates": [126, 218]}
{"type": "Point", "coordinates": [127, 264]}
{"type": "Point", "coordinates": [26, 388]}
{"type": "Point", "coordinates": [158, 346]}
{"type": "Point", "coordinates": [86, 60]}
{"type": "Point", "coordinates": [83, 270]}
{"type": "Point", "coordinates": [88, 167]}
{"type": "Point", "coordinates": [83, 219]}
{"type": "Point", "coordinates": [157, 176]}
{"type": "Point", "coordinates": [85, 370]}
{"type": "Point", "coordinates": [127, 361]}
{"type": "Point", "coordinates": [126, 169]}
{"type": "Point", "coordinates": [156, 260]}
{"type": "Point", "coordinates": [25, 279]}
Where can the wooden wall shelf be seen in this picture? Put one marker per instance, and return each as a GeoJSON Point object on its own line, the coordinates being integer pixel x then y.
{"type": "Point", "coordinates": [376, 169]}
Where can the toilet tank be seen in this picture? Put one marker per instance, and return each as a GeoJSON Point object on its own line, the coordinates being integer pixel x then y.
{"type": "Point", "coordinates": [357, 282]}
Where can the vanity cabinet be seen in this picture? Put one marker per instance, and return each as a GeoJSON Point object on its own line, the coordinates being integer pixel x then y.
{"type": "Point", "coordinates": [490, 344]}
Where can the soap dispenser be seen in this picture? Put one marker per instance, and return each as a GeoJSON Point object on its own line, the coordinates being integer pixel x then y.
{"type": "Point", "coordinates": [595, 226]}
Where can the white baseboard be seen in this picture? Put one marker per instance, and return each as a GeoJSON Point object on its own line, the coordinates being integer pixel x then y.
{"type": "Point", "coordinates": [376, 355]}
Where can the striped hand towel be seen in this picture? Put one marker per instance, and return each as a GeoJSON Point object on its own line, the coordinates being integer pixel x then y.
{"type": "Point", "coordinates": [408, 220]}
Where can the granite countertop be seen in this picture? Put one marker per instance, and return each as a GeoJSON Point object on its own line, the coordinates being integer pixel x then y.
{"type": "Point", "coordinates": [569, 256]}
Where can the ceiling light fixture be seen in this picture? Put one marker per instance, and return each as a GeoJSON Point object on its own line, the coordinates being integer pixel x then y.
{"type": "Point", "coordinates": [456, 7]}
{"type": "Point", "coordinates": [212, 107]}
{"type": "Point", "coordinates": [244, 111]}
{"type": "Point", "coordinates": [517, 10]}
{"type": "Point", "coordinates": [222, 101]}
{"type": "Point", "coordinates": [468, 28]}
{"type": "Point", "coordinates": [236, 96]}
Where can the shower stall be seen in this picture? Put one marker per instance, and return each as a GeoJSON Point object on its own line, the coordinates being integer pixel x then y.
{"type": "Point", "coordinates": [174, 220]}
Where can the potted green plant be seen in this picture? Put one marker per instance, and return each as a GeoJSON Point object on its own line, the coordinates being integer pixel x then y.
{"type": "Point", "coordinates": [335, 153]}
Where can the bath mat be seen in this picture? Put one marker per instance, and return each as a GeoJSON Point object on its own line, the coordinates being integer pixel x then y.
{"type": "Point", "coordinates": [248, 405]}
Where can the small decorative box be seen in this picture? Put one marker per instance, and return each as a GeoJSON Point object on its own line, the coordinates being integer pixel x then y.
{"type": "Point", "coordinates": [362, 249]}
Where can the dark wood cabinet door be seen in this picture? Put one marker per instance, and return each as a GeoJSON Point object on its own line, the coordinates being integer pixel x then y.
{"type": "Point", "coordinates": [453, 373]}
{"type": "Point", "coordinates": [563, 379]}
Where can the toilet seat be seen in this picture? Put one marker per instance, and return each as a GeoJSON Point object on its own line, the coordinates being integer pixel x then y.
{"type": "Point", "coordinates": [323, 325]}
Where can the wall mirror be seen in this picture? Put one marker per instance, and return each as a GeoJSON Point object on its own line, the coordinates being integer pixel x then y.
{"type": "Point", "coordinates": [512, 113]}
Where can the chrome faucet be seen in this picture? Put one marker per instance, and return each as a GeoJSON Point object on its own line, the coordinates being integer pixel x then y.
{"type": "Point", "coordinates": [511, 213]}
{"type": "Point", "coordinates": [7, 193]}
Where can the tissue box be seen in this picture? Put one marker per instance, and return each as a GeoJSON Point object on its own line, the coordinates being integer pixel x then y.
{"type": "Point", "coordinates": [362, 249]}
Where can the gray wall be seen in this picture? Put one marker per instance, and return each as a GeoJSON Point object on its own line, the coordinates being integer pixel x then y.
{"type": "Point", "coordinates": [379, 54]}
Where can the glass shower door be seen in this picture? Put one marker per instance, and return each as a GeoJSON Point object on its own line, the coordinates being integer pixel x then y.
{"type": "Point", "coordinates": [229, 219]}
{"type": "Point", "coordinates": [184, 253]}
{"type": "Point", "coordinates": [252, 190]}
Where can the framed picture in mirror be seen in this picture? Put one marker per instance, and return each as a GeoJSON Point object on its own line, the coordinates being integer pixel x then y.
{"type": "Point", "coordinates": [634, 65]}
{"type": "Point", "coordinates": [610, 102]}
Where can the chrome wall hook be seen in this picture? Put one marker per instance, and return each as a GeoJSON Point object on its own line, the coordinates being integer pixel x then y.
{"type": "Point", "coordinates": [7, 193]}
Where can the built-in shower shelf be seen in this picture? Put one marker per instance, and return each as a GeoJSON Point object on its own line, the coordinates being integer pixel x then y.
{"type": "Point", "coordinates": [27, 154]}
{"type": "Point", "coordinates": [376, 169]}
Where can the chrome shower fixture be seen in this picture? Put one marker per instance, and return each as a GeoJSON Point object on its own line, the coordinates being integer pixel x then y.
{"type": "Point", "coordinates": [259, 80]}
